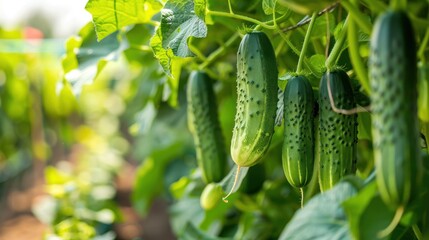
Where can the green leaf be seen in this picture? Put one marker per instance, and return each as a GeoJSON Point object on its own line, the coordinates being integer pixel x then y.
{"type": "Point", "coordinates": [270, 5]}
{"type": "Point", "coordinates": [254, 226]}
{"type": "Point", "coordinates": [323, 217]}
{"type": "Point", "coordinates": [90, 56]}
{"type": "Point", "coordinates": [110, 16]}
{"type": "Point", "coordinates": [364, 126]}
{"type": "Point", "coordinates": [171, 65]}
{"type": "Point", "coordinates": [192, 232]}
{"type": "Point", "coordinates": [163, 55]}
{"type": "Point", "coordinates": [179, 21]}
{"type": "Point", "coordinates": [228, 181]}
{"type": "Point", "coordinates": [149, 176]}
{"type": "Point", "coordinates": [326, 21]}
{"type": "Point", "coordinates": [367, 213]}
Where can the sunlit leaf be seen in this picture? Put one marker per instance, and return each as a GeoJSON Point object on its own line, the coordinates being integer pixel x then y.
{"type": "Point", "coordinates": [111, 15]}
{"type": "Point", "coordinates": [90, 56]}
{"type": "Point", "coordinates": [367, 213]}
{"type": "Point", "coordinates": [179, 22]}
{"type": "Point", "coordinates": [270, 5]}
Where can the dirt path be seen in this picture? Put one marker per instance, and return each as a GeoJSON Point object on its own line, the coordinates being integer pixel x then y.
{"type": "Point", "coordinates": [17, 221]}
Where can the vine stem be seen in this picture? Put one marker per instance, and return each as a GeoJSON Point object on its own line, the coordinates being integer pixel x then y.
{"type": "Point", "coordinates": [360, 19]}
{"type": "Point", "coordinates": [302, 197]}
{"type": "Point", "coordinates": [338, 47]}
{"type": "Point", "coordinates": [398, 4]}
{"type": "Point", "coordinates": [358, 65]}
{"type": "Point", "coordinates": [343, 111]}
{"type": "Point", "coordinates": [423, 45]}
{"type": "Point", "coordinates": [306, 41]}
{"type": "Point", "coordinates": [417, 232]}
{"type": "Point", "coordinates": [214, 55]}
{"type": "Point", "coordinates": [395, 221]}
{"type": "Point", "coordinates": [230, 7]}
{"type": "Point", "coordinates": [241, 17]}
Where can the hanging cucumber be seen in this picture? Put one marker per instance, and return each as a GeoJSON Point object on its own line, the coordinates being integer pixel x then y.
{"type": "Point", "coordinates": [204, 125]}
{"type": "Point", "coordinates": [393, 76]}
{"type": "Point", "coordinates": [256, 101]}
{"type": "Point", "coordinates": [337, 131]}
{"type": "Point", "coordinates": [298, 144]}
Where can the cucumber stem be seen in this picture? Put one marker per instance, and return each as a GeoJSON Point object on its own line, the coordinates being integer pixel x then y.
{"type": "Point", "coordinates": [398, 4]}
{"type": "Point", "coordinates": [358, 65]}
{"type": "Point", "coordinates": [395, 221]}
{"type": "Point", "coordinates": [233, 185]}
{"type": "Point", "coordinates": [338, 47]}
{"type": "Point", "coordinates": [360, 19]}
{"type": "Point", "coordinates": [302, 197]}
{"type": "Point", "coordinates": [230, 7]}
{"type": "Point", "coordinates": [423, 45]}
{"type": "Point", "coordinates": [241, 17]}
{"type": "Point", "coordinates": [214, 55]}
{"type": "Point", "coordinates": [305, 44]}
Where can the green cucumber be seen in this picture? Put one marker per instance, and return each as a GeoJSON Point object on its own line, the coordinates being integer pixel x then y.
{"type": "Point", "coordinates": [257, 99]}
{"type": "Point", "coordinates": [211, 196]}
{"type": "Point", "coordinates": [393, 79]}
{"type": "Point", "coordinates": [204, 125]}
{"type": "Point", "coordinates": [337, 131]}
{"type": "Point", "coordinates": [298, 144]}
{"type": "Point", "coordinates": [256, 109]}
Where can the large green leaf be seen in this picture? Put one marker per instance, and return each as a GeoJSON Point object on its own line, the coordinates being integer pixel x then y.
{"type": "Point", "coordinates": [269, 6]}
{"type": "Point", "coordinates": [111, 15]}
{"type": "Point", "coordinates": [192, 232]}
{"type": "Point", "coordinates": [323, 217]}
{"type": "Point", "coordinates": [367, 213]}
{"type": "Point", "coordinates": [86, 57]}
{"type": "Point", "coordinates": [179, 21]}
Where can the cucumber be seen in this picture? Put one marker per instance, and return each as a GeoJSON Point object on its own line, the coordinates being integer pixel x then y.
{"type": "Point", "coordinates": [298, 144]}
{"type": "Point", "coordinates": [211, 196]}
{"type": "Point", "coordinates": [337, 131]}
{"type": "Point", "coordinates": [393, 80]}
{"type": "Point", "coordinates": [256, 101]}
{"type": "Point", "coordinates": [204, 125]}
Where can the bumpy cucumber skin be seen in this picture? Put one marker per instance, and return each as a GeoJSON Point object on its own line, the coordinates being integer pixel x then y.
{"type": "Point", "coordinates": [298, 143]}
{"type": "Point", "coordinates": [256, 101]}
{"type": "Point", "coordinates": [337, 132]}
{"type": "Point", "coordinates": [205, 128]}
{"type": "Point", "coordinates": [393, 79]}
